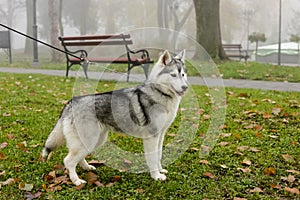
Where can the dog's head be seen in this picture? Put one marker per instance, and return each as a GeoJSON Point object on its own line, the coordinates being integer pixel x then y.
{"type": "Point", "coordinates": [170, 72]}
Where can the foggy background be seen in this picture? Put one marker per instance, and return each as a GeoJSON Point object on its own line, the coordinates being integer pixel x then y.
{"type": "Point", "coordinates": [238, 18]}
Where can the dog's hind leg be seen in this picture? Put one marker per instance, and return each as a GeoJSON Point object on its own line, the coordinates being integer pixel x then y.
{"type": "Point", "coordinates": [71, 161]}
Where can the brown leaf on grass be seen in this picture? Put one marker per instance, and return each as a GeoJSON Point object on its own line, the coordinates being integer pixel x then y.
{"type": "Point", "coordinates": [208, 175]}
{"type": "Point", "coordinates": [116, 178]}
{"type": "Point", "coordinates": [293, 171]}
{"type": "Point", "coordinates": [2, 173]}
{"type": "Point", "coordinates": [256, 190]}
{"type": "Point", "coordinates": [79, 187]}
{"type": "Point", "coordinates": [3, 145]}
{"type": "Point", "coordinates": [267, 116]}
{"type": "Point", "coordinates": [2, 157]}
{"type": "Point", "coordinates": [238, 198]}
{"type": "Point", "coordinates": [288, 158]}
{"type": "Point", "coordinates": [270, 171]}
{"type": "Point", "coordinates": [194, 149]}
{"type": "Point", "coordinates": [9, 181]}
{"type": "Point", "coordinates": [59, 167]}
{"type": "Point", "coordinates": [292, 190]}
{"type": "Point", "coordinates": [258, 127]}
{"type": "Point", "coordinates": [276, 111]}
{"type": "Point", "coordinates": [10, 136]}
{"type": "Point", "coordinates": [25, 186]}
{"type": "Point", "coordinates": [222, 144]}
{"type": "Point", "coordinates": [30, 196]}
{"type": "Point", "coordinates": [246, 162]}
{"type": "Point", "coordinates": [97, 162]}
{"type": "Point", "coordinates": [278, 187]}
{"type": "Point", "coordinates": [128, 162]}
{"type": "Point", "coordinates": [139, 190]}
{"type": "Point", "coordinates": [242, 148]}
{"type": "Point", "coordinates": [244, 170]}
{"type": "Point", "coordinates": [91, 178]}
{"type": "Point", "coordinates": [291, 178]}
{"type": "Point", "coordinates": [205, 162]}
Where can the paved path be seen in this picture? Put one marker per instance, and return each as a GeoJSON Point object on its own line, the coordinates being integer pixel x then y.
{"type": "Point", "coordinates": [264, 85]}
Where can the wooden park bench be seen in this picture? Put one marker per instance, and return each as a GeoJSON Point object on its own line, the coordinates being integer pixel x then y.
{"type": "Point", "coordinates": [5, 44]}
{"type": "Point", "coordinates": [133, 57]}
{"type": "Point", "coordinates": [235, 51]}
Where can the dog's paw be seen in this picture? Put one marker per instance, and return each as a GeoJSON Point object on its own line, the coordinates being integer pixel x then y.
{"type": "Point", "coordinates": [163, 171]}
{"type": "Point", "coordinates": [159, 177]}
{"type": "Point", "coordinates": [89, 168]}
{"type": "Point", "coordinates": [78, 182]}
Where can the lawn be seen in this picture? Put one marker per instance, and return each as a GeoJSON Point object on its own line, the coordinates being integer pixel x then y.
{"type": "Point", "coordinates": [228, 69]}
{"type": "Point", "coordinates": [256, 156]}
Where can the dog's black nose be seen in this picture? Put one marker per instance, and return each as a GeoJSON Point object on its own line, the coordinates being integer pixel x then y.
{"type": "Point", "coordinates": [184, 88]}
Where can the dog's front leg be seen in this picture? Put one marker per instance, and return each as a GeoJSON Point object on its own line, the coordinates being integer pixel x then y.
{"type": "Point", "coordinates": [152, 157]}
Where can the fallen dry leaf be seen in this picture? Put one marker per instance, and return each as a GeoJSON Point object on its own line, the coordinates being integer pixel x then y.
{"type": "Point", "coordinates": [238, 198]}
{"type": "Point", "coordinates": [205, 162]}
{"type": "Point", "coordinates": [291, 178]}
{"type": "Point", "coordinates": [246, 162]}
{"type": "Point", "coordinates": [256, 190]}
{"type": "Point", "coordinates": [91, 178]}
{"type": "Point", "coordinates": [208, 175]}
{"type": "Point", "coordinates": [292, 190]}
{"type": "Point", "coordinates": [79, 187]}
{"type": "Point", "coordinates": [270, 171]}
{"type": "Point", "coordinates": [278, 187]}
{"type": "Point", "coordinates": [3, 145]}
{"type": "Point", "coordinates": [9, 181]}
{"type": "Point", "coordinates": [194, 149]}
{"type": "Point", "coordinates": [288, 158]}
{"type": "Point", "coordinates": [276, 111]}
{"type": "Point", "coordinates": [222, 144]}
{"type": "Point", "coordinates": [293, 171]}
{"type": "Point", "coordinates": [30, 196]}
{"type": "Point", "coordinates": [245, 170]}
{"type": "Point", "coordinates": [25, 186]}
{"type": "Point", "coordinates": [2, 173]}
{"type": "Point", "coordinates": [2, 157]}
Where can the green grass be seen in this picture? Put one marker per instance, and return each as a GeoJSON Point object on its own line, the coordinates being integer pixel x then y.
{"type": "Point", "coordinates": [228, 70]}
{"type": "Point", "coordinates": [260, 126]}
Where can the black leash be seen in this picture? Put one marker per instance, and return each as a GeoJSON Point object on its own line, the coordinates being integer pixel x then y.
{"type": "Point", "coordinates": [32, 38]}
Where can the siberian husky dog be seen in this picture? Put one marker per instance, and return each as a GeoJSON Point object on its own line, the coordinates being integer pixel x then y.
{"type": "Point", "coordinates": [145, 111]}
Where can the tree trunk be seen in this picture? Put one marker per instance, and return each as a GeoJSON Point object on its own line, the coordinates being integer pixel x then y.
{"type": "Point", "coordinates": [61, 28]}
{"type": "Point", "coordinates": [208, 27]}
{"type": "Point", "coordinates": [54, 29]}
{"type": "Point", "coordinates": [29, 15]}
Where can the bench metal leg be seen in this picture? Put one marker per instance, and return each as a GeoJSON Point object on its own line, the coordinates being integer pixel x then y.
{"type": "Point", "coordinates": [146, 70]}
{"type": "Point", "coordinates": [84, 66]}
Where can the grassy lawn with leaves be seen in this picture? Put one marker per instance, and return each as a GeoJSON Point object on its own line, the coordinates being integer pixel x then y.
{"type": "Point", "coordinates": [256, 157]}
{"type": "Point", "coordinates": [228, 69]}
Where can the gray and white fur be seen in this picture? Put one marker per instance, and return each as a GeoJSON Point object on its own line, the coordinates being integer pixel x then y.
{"type": "Point", "coordinates": [145, 111]}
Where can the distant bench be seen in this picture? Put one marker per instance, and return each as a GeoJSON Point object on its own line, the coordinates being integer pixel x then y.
{"type": "Point", "coordinates": [235, 51]}
{"type": "Point", "coordinates": [133, 57]}
{"type": "Point", "coordinates": [5, 43]}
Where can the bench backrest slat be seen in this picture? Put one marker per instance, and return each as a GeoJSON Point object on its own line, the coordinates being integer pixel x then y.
{"type": "Point", "coordinates": [96, 43]}
{"type": "Point", "coordinates": [93, 37]}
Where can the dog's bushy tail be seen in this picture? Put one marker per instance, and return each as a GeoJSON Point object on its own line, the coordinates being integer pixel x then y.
{"type": "Point", "coordinates": [55, 140]}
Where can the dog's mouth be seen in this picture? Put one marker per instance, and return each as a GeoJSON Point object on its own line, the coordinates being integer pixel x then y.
{"type": "Point", "coordinates": [180, 93]}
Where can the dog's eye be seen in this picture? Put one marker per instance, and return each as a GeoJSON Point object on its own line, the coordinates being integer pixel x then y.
{"type": "Point", "coordinates": [173, 75]}
{"type": "Point", "coordinates": [182, 75]}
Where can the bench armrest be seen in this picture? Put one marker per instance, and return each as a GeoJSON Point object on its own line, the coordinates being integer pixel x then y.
{"type": "Point", "coordinates": [83, 53]}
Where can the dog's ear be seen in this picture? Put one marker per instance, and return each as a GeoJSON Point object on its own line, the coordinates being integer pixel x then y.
{"type": "Point", "coordinates": [165, 58]}
{"type": "Point", "coordinates": [181, 56]}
